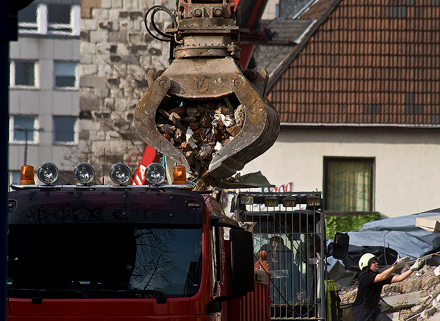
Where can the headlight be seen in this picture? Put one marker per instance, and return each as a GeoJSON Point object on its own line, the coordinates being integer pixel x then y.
{"type": "Point", "coordinates": [47, 173]}
{"type": "Point", "coordinates": [313, 201]}
{"type": "Point", "coordinates": [155, 173]}
{"type": "Point", "coordinates": [246, 200]}
{"type": "Point", "coordinates": [84, 173]}
{"type": "Point", "coordinates": [271, 201]}
{"type": "Point", "coordinates": [120, 173]}
{"type": "Point", "coordinates": [289, 201]}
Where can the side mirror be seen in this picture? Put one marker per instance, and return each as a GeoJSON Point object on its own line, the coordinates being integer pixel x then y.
{"type": "Point", "coordinates": [213, 306]}
{"type": "Point", "coordinates": [242, 262]}
{"type": "Point", "coordinates": [339, 248]}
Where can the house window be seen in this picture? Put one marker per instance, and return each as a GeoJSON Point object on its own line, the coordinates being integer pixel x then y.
{"type": "Point", "coordinates": [23, 129]}
{"type": "Point", "coordinates": [65, 74]}
{"type": "Point", "coordinates": [348, 184]}
{"type": "Point", "coordinates": [64, 129]}
{"type": "Point", "coordinates": [23, 73]}
{"type": "Point", "coordinates": [51, 18]}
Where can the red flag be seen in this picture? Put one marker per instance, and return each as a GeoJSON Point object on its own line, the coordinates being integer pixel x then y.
{"type": "Point", "coordinates": [148, 158]}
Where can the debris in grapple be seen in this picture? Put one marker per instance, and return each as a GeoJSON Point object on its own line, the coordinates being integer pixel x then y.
{"type": "Point", "coordinates": [200, 130]}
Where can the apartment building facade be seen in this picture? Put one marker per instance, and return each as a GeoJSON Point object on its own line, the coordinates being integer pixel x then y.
{"type": "Point", "coordinates": [43, 94]}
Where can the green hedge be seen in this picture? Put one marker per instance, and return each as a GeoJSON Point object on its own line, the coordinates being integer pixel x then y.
{"type": "Point", "coordinates": [347, 223]}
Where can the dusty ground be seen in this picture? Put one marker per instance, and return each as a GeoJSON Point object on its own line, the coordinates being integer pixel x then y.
{"type": "Point", "coordinates": [424, 280]}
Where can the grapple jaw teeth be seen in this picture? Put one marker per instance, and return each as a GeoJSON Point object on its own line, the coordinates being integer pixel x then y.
{"type": "Point", "coordinates": [145, 121]}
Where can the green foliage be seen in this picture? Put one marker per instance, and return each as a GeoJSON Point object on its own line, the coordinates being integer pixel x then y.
{"type": "Point", "coordinates": [347, 223]}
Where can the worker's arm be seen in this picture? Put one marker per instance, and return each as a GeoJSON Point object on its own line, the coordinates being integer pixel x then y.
{"type": "Point", "coordinates": [388, 272]}
{"type": "Point", "coordinates": [384, 275]}
{"type": "Point", "coordinates": [401, 277]}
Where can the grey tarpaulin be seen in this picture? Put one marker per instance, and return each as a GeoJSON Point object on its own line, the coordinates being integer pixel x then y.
{"type": "Point", "coordinates": [399, 234]}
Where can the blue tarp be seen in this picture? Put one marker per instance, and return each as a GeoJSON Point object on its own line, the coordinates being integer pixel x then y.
{"type": "Point", "coordinates": [399, 234]}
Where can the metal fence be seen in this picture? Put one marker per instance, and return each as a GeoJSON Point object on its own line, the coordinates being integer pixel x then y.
{"type": "Point", "coordinates": [289, 242]}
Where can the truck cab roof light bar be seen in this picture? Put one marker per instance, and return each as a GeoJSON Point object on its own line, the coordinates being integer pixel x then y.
{"type": "Point", "coordinates": [84, 173]}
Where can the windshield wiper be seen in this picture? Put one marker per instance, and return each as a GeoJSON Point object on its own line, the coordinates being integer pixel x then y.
{"type": "Point", "coordinates": [159, 295]}
{"type": "Point", "coordinates": [38, 294]}
{"type": "Point", "coordinates": [42, 292]}
{"type": "Point", "coordinates": [155, 293]}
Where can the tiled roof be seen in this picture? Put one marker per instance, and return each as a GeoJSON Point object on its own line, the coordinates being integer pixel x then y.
{"type": "Point", "coordinates": [366, 62]}
{"type": "Point", "coordinates": [289, 32]}
{"type": "Point", "coordinates": [293, 8]}
{"type": "Point", "coordinates": [302, 16]}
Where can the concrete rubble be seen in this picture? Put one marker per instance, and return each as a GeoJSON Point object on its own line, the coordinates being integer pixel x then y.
{"type": "Point", "coordinates": [416, 298]}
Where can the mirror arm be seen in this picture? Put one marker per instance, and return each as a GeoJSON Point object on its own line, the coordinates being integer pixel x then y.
{"type": "Point", "coordinates": [212, 307]}
{"type": "Point", "coordinates": [216, 222]}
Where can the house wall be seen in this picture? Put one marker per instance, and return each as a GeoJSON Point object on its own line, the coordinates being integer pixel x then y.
{"type": "Point", "coordinates": [116, 54]}
{"type": "Point", "coordinates": [406, 178]}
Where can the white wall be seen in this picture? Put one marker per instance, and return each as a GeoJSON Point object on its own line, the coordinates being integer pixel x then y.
{"type": "Point", "coordinates": [44, 101]}
{"type": "Point", "coordinates": [407, 166]}
{"type": "Point", "coordinates": [270, 10]}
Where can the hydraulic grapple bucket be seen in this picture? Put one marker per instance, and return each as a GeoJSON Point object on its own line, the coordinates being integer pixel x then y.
{"type": "Point", "coordinates": [204, 111]}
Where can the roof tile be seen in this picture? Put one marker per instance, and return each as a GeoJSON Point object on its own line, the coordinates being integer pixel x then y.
{"type": "Point", "coordinates": [369, 62]}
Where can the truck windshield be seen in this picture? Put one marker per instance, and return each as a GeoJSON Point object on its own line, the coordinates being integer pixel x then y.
{"type": "Point", "coordinates": [103, 261]}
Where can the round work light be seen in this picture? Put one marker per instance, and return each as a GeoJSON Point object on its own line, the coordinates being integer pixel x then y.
{"type": "Point", "coordinates": [84, 173]}
{"type": "Point", "coordinates": [120, 173]}
{"type": "Point", "coordinates": [155, 173]}
{"type": "Point", "coordinates": [47, 173]}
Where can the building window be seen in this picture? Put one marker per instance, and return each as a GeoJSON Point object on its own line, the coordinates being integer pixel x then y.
{"type": "Point", "coordinates": [348, 184]}
{"type": "Point", "coordinates": [24, 129]}
{"type": "Point", "coordinates": [65, 74]}
{"type": "Point", "coordinates": [51, 18]}
{"type": "Point", "coordinates": [27, 18]}
{"type": "Point", "coordinates": [64, 129]}
{"type": "Point", "coordinates": [23, 73]}
{"type": "Point", "coordinates": [58, 18]}
{"type": "Point", "coordinates": [14, 177]}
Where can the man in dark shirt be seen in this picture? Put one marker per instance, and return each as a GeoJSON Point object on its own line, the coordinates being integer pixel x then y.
{"type": "Point", "coordinates": [365, 307]}
{"type": "Point", "coordinates": [288, 283]}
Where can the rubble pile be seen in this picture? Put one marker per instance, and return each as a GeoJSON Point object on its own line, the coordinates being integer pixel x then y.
{"type": "Point", "coordinates": [199, 130]}
{"type": "Point", "coordinates": [416, 298]}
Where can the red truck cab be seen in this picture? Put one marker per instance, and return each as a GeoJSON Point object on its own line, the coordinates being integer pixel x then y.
{"type": "Point", "coordinates": [128, 253]}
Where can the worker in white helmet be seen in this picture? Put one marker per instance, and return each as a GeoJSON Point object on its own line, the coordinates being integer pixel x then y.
{"type": "Point", "coordinates": [365, 307]}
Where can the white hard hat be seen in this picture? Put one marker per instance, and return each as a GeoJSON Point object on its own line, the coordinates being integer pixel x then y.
{"type": "Point", "coordinates": [363, 261]}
